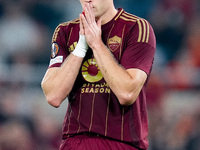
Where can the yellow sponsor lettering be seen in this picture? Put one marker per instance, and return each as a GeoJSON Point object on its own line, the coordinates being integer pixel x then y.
{"type": "Point", "coordinates": [104, 85]}
{"type": "Point", "coordinates": [101, 90]}
{"type": "Point", "coordinates": [107, 90]}
{"type": "Point", "coordinates": [97, 90]}
{"type": "Point", "coordinates": [97, 85]}
{"type": "Point", "coordinates": [82, 90]}
{"type": "Point", "coordinates": [86, 90]}
{"type": "Point", "coordinates": [91, 90]}
{"type": "Point", "coordinates": [84, 85]}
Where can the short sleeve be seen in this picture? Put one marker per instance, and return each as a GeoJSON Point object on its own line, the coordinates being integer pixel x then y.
{"type": "Point", "coordinates": [140, 49]}
{"type": "Point", "coordinates": [58, 50]}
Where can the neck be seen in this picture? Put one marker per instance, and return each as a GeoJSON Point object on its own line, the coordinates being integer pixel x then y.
{"type": "Point", "coordinates": [108, 15]}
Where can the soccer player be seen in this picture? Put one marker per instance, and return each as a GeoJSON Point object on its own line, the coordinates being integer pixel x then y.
{"type": "Point", "coordinates": [101, 62]}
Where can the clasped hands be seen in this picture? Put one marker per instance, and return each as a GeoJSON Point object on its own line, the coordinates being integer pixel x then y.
{"type": "Point", "coordinates": [90, 31]}
{"type": "Point", "coordinates": [89, 26]}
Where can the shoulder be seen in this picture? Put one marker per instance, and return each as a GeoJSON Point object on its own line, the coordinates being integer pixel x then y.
{"type": "Point", "coordinates": [68, 24]}
{"type": "Point", "coordinates": [65, 28]}
{"type": "Point", "coordinates": [138, 28]}
{"type": "Point", "coordinates": [72, 22]}
{"type": "Point", "coordinates": [133, 20]}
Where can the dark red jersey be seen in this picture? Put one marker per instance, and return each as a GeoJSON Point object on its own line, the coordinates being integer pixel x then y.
{"type": "Point", "coordinates": [93, 107]}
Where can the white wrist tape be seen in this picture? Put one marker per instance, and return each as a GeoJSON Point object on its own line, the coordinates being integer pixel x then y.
{"type": "Point", "coordinates": [81, 47]}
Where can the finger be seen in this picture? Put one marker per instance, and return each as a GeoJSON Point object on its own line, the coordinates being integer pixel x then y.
{"type": "Point", "coordinates": [91, 12]}
{"type": "Point", "coordinates": [81, 25]}
{"type": "Point", "coordinates": [83, 13]}
{"type": "Point", "coordinates": [99, 22]}
{"type": "Point", "coordinates": [84, 21]}
{"type": "Point", "coordinates": [87, 15]}
{"type": "Point", "coordinates": [88, 28]}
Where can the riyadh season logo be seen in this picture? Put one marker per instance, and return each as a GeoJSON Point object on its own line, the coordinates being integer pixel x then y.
{"type": "Point", "coordinates": [90, 71]}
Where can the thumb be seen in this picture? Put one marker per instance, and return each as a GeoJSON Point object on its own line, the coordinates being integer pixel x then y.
{"type": "Point", "coordinates": [81, 25]}
{"type": "Point", "coordinates": [99, 22]}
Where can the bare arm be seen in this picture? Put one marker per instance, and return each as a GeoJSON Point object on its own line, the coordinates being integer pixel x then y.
{"type": "Point", "coordinates": [58, 82]}
{"type": "Point", "coordinates": [126, 84]}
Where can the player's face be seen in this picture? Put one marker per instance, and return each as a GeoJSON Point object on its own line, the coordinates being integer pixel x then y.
{"type": "Point", "coordinates": [99, 6]}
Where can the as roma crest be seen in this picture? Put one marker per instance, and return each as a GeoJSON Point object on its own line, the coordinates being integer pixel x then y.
{"type": "Point", "coordinates": [114, 43]}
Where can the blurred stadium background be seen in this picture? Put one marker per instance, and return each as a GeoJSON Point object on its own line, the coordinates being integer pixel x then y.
{"type": "Point", "coordinates": [27, 122]}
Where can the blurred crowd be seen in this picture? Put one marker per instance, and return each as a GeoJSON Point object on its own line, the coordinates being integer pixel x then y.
{"type": "Point", "coordinates": [27, 122]}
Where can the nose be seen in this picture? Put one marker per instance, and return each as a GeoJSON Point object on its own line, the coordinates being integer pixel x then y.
{"type": "Point", "coordinates": [87, 1]}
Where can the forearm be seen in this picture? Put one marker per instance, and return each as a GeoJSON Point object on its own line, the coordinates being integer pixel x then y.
{"type": "Point", "coordinates": [58, 84]}
{"type": "Point", "coordinates": [119, 80]}
{"type": "Point", "coordinates": [126, 84]}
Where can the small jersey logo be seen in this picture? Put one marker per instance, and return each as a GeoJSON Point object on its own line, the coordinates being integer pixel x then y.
{"type": "Point", "coordinates": [54, 50]}
{"type": "Point", "coordinates": [90, 71]}
{"type": "Point", "coordinates": [114, 43]}
{"type": "Point", "coordinates": [72, 47]}
{"type": "Point", "coordinates": [58, 59]}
